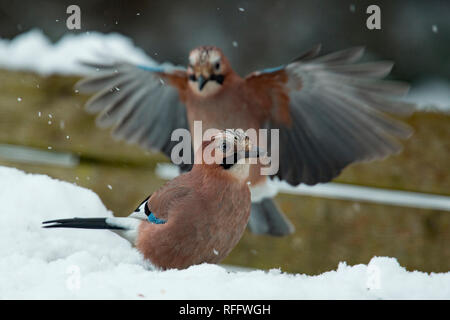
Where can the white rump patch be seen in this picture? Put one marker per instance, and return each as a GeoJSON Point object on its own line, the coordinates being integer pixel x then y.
{"type": "Point", "coordinates": [269, 189]}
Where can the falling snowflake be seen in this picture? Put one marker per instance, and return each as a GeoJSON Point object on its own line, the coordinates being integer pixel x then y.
{"type": "Point", "coordinates": [235, 44]}
{"type": "Point", "coordinates": [241, 9]}
{"type": "Point", "coordinates": [434, 28]}
{"type": "Point", "coordinates": [19, 99]}
{"type": "Point", "coordinates": [109, 187]}
{"type": "Point", "coordinates": [352, 8]}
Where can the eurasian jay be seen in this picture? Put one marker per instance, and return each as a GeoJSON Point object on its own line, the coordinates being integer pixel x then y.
{"type": "Point", "coordinates": [195, 218]}
{"type": "Point", "coordinates": [329, 111]}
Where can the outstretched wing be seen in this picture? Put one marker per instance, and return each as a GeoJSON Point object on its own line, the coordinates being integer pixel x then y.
{"type": "Point", "coordinates": [330, 112]}
{"type": "Point", "coordinates": [143, 104]}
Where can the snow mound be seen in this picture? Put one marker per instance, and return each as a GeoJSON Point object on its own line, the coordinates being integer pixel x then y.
{"type": "Point", "coordinates": [431, 94]}
{"type": "Point", "coordinates": [41, 263]}
{"type": "Point", "coordinates": [33, 51]}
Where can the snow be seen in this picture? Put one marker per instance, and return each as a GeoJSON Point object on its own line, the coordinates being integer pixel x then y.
{"type": "Point", "coordinates": [33, 51]}
{"type": "Point", "coordinates": [41, 263]}
{"type": "Point", "coordinates": [432, 94]}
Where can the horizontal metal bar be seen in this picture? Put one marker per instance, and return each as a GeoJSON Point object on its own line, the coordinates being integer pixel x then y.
{"type": "Point", "coordinates": [37, 156]}
{"type": "Point", "coordinates": [369, 194]}
{"type": "Point", "coordinates": [345, 192]}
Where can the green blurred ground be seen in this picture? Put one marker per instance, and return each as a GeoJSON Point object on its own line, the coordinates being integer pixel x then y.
{"type": "Point", "coordinates": [328, 231]}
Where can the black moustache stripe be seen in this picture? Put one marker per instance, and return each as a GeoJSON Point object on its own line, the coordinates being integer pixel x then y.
{"type": "Point", "coordinates": [217, 77]}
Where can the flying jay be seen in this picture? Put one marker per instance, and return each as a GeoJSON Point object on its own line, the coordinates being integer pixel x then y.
{"type": "Point", "coordinates": [330, 112]}
{"type": "Point", "coordinates": [198, 217]}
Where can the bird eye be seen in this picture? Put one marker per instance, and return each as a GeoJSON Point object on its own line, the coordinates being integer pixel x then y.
{"type": "Point", "coordinates": [217, 66]}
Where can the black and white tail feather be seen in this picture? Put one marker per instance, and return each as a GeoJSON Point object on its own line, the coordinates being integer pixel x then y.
{"type": "Point", "coordinates": [126, 227]}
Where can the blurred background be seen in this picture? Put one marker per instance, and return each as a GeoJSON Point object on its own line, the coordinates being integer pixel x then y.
{"type": "Point", "coordinates": [50, 132]}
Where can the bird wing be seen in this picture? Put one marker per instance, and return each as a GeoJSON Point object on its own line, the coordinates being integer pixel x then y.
{"type": "Point", "coordinates": [143, 104]}
{"type": "Point", "coordinates": [172, 194]}
{"type": "Point", "coordinates": [330, 113]}
{"type": "Point", "coordinates": [141, 211]}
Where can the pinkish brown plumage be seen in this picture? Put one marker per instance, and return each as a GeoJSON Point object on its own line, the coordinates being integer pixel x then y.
{"type": "Point", "coordinates": [329, 110]}
{"type": "Point", "coordinates": [205, 220]}
{"type": "Point", "coordinates": [196, 218]}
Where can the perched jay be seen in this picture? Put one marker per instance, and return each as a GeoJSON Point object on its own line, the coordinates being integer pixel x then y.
{"type": "Point", "coordinates": [197, 217]}
{"type": "Point", "coordinates": [329, 111]}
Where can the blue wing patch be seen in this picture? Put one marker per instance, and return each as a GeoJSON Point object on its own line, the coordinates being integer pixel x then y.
{"type": "Point", "coordinates": [151, 69]}
{"type": "Point", "coordinates": [271, 70]}
{"type": "Point", "coordinates": [150, 216]}
{"type": "Point", "coordinates": [152, 219]}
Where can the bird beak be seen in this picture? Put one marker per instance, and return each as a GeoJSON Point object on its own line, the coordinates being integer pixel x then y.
{"type": "Point", "coordinates": [255, 152]}
{"type": "Point", "coordinates": [201, 82]}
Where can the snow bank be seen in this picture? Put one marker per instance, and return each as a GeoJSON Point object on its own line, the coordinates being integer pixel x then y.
{"type": "Point", "coordinates": [93, 264]}
{"type": "Point", "coordinates": [431, 95]}
{"type": "Point", "coordinates": [33, 51]}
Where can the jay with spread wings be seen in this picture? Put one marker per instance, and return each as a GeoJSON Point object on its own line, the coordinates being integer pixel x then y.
{"type": "Point", "coordinates": [330, 111]}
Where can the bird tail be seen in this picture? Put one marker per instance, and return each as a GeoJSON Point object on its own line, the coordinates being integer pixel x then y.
{"type": "Point", "coordinates": [83, 223]}
{"type": "Point", "coordinates": [124, 227]}
{"type": "Point", "coordinates": [267, 218]}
